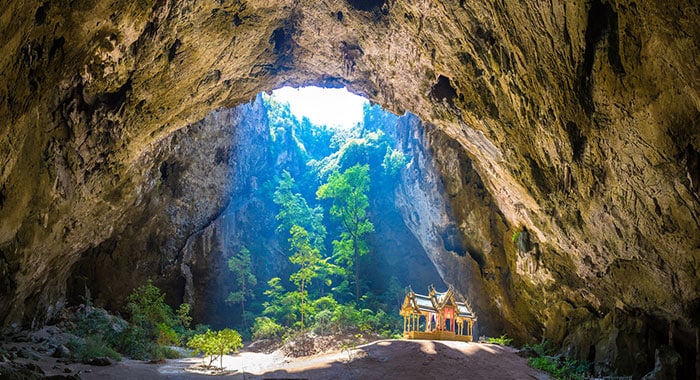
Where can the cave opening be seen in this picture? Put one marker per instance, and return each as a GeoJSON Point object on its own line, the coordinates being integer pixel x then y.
{"type": "Point", "coordinates": [320, 170]}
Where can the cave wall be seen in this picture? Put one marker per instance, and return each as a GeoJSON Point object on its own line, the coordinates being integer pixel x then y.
{"type": "Point", "coordinates": [579, 118]}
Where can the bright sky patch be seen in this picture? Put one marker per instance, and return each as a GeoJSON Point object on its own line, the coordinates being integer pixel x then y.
{"type": "Point", "coordinates": [333, 107]}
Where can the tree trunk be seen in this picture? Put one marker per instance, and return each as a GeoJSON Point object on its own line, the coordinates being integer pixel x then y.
{"type": "Point", "coordinates": [245, 321]}
{"type": "Point", "coordinates": [302, 304]}
{"type": "Point", "coordinates": [357, 272]}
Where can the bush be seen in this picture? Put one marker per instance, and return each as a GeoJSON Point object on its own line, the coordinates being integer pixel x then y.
{"type": "Point", "coordinates": [92, 347]}
{"type": "Point", "coordinates": [326, 303]}
{"type": "Point", "coordinates": [266, 328]}
{"type": "Point", "coordinates": [324, 322]}
{"type": "Point", "coordinates": [137, 343]}
{"type": "Point", "coordinates": [153, 325]}
{"type": "Point", "coordinates": [147, 306]}
{"type": "Point", "coordinates": [560, 368]}
{"type": "Point", "coordinates": [346, 318]}
{"type": "Point", "coordinates": [503, 340]}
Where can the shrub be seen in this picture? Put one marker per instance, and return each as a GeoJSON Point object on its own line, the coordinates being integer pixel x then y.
{"type": "Point", "coordinates": [266, 328]}
{"type": "Point", "coordinates": [137, 343]}
{"type": "Point", "coordinates": [541, 349]}
{"type": "Point", "coordinates": [183, 315]}
{"type": "Point", "coordinates": [97, 322]}
{"type": "Point", "coordinates": [560, 368]}
{"type": "Point", "coordinates": [326, 303]}
{"type": "Point", "coordinates": [152, 325]}
{"type": "Point", "coordinates": [166, 335]}
{"type": "Point", "coordinates": [346, 317]}
{"type": "Point", "coordinates": [92, 347]}
{"type": "Point", "coordinates": [503, 340]}
{"type": "Point", "coordinates": [147, 306]}
{"type": "Point", "coordinates": [324, 322]}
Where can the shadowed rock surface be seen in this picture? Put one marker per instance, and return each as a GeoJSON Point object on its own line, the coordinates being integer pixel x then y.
{"type": "Point", "coordinates": [575, 120]}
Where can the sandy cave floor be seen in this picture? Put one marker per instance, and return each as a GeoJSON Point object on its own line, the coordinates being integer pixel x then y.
{"type": "Point", "coordinates": [386, 359]}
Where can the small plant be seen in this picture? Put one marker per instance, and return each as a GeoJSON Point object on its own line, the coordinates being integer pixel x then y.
{"type": "Point", "coordinates": [216, 344]}
{"type": "Point", "coordinates": [516, 235]}
{"type": "Point", "coordinates": [560, 368]}
{"type": "Point", "coordinates": [503, 340]}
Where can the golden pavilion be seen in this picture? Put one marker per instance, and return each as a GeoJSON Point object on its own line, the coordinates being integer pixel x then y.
{"type": "Point", "coordinates": [437, 316]}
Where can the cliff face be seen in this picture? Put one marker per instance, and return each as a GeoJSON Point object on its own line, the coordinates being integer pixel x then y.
{"type": "Point", "coordinates": [577, 122]}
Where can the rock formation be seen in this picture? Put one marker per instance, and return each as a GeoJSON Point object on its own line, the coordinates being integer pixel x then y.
{"type": "Point", "coordinates": [574, 121]}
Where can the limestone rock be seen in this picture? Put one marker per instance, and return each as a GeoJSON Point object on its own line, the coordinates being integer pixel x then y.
{"type": "Point", "coordinates": [667, 362]}
{"type": "Point", "coordinates": [61, 351]}
{"type": "Point", "coordinates": [576, 120]}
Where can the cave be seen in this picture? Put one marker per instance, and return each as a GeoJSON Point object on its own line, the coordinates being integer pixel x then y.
{"type": "Point", "coordinates": [576, 122]}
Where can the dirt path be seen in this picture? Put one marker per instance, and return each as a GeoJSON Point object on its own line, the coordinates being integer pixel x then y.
{"type": "Point", "coordinates": [388, 359]}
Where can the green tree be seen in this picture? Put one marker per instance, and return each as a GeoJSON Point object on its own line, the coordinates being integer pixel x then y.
{"type": "Point", "coordinates": [281, 305]}
{"type": "Point", "coordinates": [348, 192]}
{"type": "Point", "coordinates": [307, 258]}
{"type": "Point", "coordinates": [393, 162]}
{"type": "Point", "coordinates": [294, 210]}
{"type": "Point", "coordinates": [394, 294]}
{"type": "Point", "coordinates": [241, 267]}
{"type": "Point", "coordinates": [216, 344]}
{"type": "Point", "coordinates": [152, 324]}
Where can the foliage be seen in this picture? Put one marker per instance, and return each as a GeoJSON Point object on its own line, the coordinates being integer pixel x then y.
{"type": "Point", "coordinates": [306, 257]}
{"type": "Point", "coordinates": [152, 324]}
{"type": "Point", "coordinates": [245, 280]}
{"type": "Point", "coordinates": [559, 367]}
{"type": "Point", "coordinates": [281, 305]}
{"type": "Point", "coordinates": [503, 340]}
{"type": "Point", "coordinates": [183, 315]}
{"type": "Point", "coordinates": [147, 305]}
{"type": "Point", "coordinates": [393, 162]}
{"type": "Point", "coordinates": [394, 293]}
{"type": "Point", "coordinates": [326, 302]}
{"type": "Point", "coordinates": [266, 328]}
{"type": "Point", "coordinates": [541, 349]}
{"type": "Point", "coordinates": [216, 344]}
{"type": "Point", "coordinates": [348, 193]}
{"type": "Point", "coordinates": [95, 321]}
{"type": "Point", "coordinates": [295, 211]}
{"type": "Point", "coordinates": [346, 318]}
{"type": "Point", "coordinates": [516, 234]}
{"type": "Point", "coordinates": [323, 322]}
{"type": "Point", "coordinates": [93, 346]}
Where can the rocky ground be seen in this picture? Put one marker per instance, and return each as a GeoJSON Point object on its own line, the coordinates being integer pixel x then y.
{"type": "Point", "coordinates": [41, 354]}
